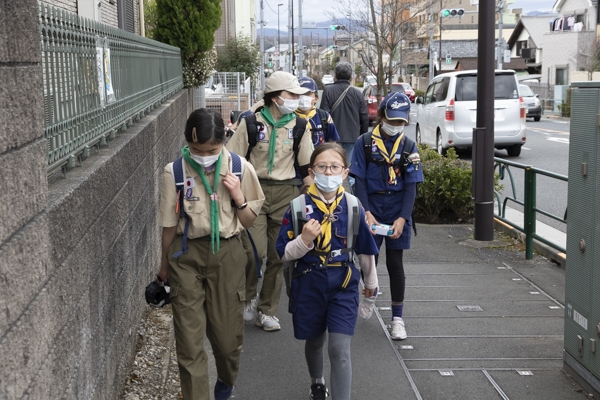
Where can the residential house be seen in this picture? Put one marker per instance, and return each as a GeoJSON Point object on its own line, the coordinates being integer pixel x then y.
{"type": "Point", "coordinates": [123, 14]}
{"type": "Point", "coordinates": [527, 40]}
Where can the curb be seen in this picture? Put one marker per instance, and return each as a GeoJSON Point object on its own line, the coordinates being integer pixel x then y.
{"type": "Point", "coordinates": [542, 248]}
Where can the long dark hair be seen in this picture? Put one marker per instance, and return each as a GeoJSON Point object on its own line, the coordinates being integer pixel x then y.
{"type": "Point", "coordinates": [205, 125]}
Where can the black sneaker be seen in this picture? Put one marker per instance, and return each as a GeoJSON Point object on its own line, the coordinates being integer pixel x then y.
{"type": "Point", "coordinates": [318, 391]}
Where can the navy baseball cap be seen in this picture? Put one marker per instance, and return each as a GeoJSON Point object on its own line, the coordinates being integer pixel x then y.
{"type": "Point", "coordinates": [395, 106]}
{"type": "Point", "coordinates": [308, 83]}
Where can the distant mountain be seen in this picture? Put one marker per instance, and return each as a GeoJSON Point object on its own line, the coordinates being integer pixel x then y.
{"type": "Point", "coordinates": [540, 14]}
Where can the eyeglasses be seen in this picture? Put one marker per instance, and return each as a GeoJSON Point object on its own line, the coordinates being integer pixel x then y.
{"type": "Point", "coordinates": [322, 168]}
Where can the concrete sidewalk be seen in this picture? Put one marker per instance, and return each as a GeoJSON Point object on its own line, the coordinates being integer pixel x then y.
{"type": "Point", "coordinates": [482, 323]}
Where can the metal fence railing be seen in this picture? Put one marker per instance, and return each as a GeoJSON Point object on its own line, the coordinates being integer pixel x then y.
{"type": "Point", "coordinates": [529, 202]}
{"type": "Point", "coordinates": [98, 80]}
{"type": "Point", "coordinates": [225, 92]}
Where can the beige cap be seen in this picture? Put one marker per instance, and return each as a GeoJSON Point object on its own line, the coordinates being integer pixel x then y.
{"type": "Point", "coordinates": [281, 80]}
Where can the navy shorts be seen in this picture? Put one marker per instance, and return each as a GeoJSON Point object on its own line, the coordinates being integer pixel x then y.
{"type": "Point", "coordinates": [319, 303]}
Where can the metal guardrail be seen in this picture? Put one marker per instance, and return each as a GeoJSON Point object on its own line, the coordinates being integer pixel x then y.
{"type": "Point", "coordinates": [529, 203]}
{"type": "Point", "coordinates": [98, 80]}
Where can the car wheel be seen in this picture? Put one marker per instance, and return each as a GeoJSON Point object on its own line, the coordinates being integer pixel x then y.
{"type": "Point", "coordinates": [418, 135]}
{"type": "Point", "coordinates": [438, 143]}
{"type": "Point", "coordinates": [536, 118]}
{"type": "Point", "coordinates": [514, 150]}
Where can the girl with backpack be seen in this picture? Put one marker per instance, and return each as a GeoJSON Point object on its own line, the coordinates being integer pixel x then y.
{"type": "Point", "coordinates": [325, 281]}
{"type": "Point", "coordinates": [386, 167]}
{"type": "Point", "coordinates": [204, 207]}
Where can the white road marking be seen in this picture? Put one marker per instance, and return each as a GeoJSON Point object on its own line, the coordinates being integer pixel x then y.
{"type": "Point", "coordinates": [559, 140]}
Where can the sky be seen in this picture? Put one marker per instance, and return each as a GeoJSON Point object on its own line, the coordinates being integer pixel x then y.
{"type": "Point", "coordinates": [316, 10]}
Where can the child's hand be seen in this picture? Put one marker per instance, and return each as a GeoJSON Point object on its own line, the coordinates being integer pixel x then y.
{"type": "Point", "coordinates": [368, 292]}
{"type": "Point", "coordinates": [310, 231]}
{"type": "Point", "coordinates": [232, 183]}
{"type": "Point", "coordinates": [371, 221]}
{"type": "Point", "coordinates": [398, 227]}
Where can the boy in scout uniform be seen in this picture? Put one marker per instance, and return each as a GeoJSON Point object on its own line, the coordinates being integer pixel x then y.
{"type": "Point", "coordinates": [202, 253]}
{"type": "Point", "coordinates": [277, 160]}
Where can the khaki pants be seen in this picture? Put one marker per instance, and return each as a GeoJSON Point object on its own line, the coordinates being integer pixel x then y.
{"type": "Point", "coordinates": [250, 265]}
{"type": "Point", "coordinates": [207, 295]}
{"type": "Point", "coordinates": [264, 232]}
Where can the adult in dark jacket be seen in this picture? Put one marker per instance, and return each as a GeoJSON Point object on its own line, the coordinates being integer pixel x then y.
{"type": "Point", "coordinates": [350, 116]}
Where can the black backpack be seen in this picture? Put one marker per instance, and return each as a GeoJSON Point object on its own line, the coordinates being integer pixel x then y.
{"type": "Point", "coordinates": [252, 128]}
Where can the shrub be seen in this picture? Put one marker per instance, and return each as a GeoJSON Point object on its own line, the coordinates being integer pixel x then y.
{"type": "Point", "coordinates": [446, 190]}
{"type": "Point", "coordinates": [419, 92]}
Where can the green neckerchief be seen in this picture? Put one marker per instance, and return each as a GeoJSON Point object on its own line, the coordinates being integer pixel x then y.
{"type": "Point", "coordinates": [214, 204]}
{"type": "Point", "coordinates": [268, 117]}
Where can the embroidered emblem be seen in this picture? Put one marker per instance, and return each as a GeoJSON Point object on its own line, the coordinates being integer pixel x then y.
{"type": "Point", "coordinates": [291, 234]}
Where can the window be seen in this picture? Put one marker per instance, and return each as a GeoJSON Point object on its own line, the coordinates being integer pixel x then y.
{"type": "Point", "coordinates": [561, 76]}
{"type": "Point", "coordinates": [505, 87]}
{"type": "Point", "coordinates": [126, 17]}
{"type": "Point", "coordinates": [521, 44]}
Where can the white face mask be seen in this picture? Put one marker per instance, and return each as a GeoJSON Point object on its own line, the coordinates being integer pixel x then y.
{"type": "Point", "coordinates": [289, 105]}
{"type": "Point", "coordinates": [392, 130]}
{"type": "Point", "coordinates": [205, 161]}
{"type": "Point", "coordinates": [328, 183]}
{"type": "Point", "coordinates": [305, 103]}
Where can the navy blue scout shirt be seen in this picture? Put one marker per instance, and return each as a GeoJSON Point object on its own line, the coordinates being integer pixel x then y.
{"type": "Point", "coordinates": [320, 137]}
{"type": "Point", "coordinates": [373, 179]}
{"type": "Point", "coordinates": [363, 244]}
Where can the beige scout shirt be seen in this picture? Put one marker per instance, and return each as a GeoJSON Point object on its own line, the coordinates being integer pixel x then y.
{"type": "Point", "coordinates": [284, 151]}
{"type": "Point", "coordinates": [198, 206]}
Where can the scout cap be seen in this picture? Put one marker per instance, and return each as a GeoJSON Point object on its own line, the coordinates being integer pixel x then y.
{"type": "Point", "coordinates": [395, 106]}
{"type": "Point", "coordinates": [308, 83]}
{"type": "Point", "coordinates": [281, 80]}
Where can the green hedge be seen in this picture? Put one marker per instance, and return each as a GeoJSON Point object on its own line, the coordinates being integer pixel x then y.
{"type": "Point", "coordinates": [445, 194]}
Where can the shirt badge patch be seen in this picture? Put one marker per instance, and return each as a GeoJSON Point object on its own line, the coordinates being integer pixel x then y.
{"type": "Point", "coordinates": [188, 193]}
{"type": "Point", "coordinates": [291, 234]}
{"type": "Point", "coordinates": [290, 133]}
{"type": "Point", "coordinates": [286, 221]}
{"type": "Point", "coordinates": [309, 210]}
{"type": "Point", "coordinates": [189, 183]}
{"type": "Point", "coordinates": [261, 136]}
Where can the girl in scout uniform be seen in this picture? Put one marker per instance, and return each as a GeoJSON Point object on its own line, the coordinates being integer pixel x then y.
{"type": "Point", "coordinates": [274, 160]}
{"type": "Point", "coordinates": [386, 176]}
{"type": "Point", "coordinates": [324, 291]}
{"type": "Point", "coordinates": [308, 111]}
{"type": "Point", "coordinates": [207, 282]}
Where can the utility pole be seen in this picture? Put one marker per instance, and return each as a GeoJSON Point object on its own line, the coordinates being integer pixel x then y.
{"type": "Point", "coordinates": [262, 46]}
{"type": "Point", "coordinates": [440, 53]}
{"type": "Point", "coordinates": [293, 49]}
{"type": "Point", "coordinates": [500, 53]}
{"type": "Point", "coordinates": [278, 38]}
{"type": "Point", "coordinates": [431, 52]}
{"type": "Point", "coordinates": [300, 47]}
{"type": "Point", "coordinates": [290, 39]}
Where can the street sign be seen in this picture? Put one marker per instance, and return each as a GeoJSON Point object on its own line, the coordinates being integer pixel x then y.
{"type": "Point", "coordinates": [506, 56]}
{"type": "Point", "coordinates": [276, 53]}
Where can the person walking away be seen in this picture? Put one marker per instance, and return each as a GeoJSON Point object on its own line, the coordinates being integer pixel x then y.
{"type": "Point", "coordinates": [347, 108]}
{"type": "Point", "coordinates": [325, 284]}
{"type": "Point", "coordinates": [203, 209]}
{"type": "Point", "coordinates": [274, 146]}
{"type": "Point", "coordinates": [387, 168]}
{"type": "Point", "coordinates": [321, 124]}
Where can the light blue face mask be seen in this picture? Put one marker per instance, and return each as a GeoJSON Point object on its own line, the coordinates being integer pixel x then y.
{"type": "Point", "coordinates": [328, 183]}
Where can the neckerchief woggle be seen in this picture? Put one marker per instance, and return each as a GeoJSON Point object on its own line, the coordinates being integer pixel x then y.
{"type": "Point", "coordinates": [324, 239]}
{"type": "Point", "coordinates": [389, 158]}
{"type": "Point", "coordinates": [215, 237]}
{"type": "Point", "coordinates": [268, 117]}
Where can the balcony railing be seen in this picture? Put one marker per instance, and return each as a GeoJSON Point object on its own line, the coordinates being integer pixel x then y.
{"type": "Point", "coordinates": [98, 80]}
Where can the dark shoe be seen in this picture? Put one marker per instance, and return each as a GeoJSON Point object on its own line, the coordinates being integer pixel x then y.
{"type": "Point", "coordinates": [318, 391]}
{"type": "Point", "coordinates": [222, 391]}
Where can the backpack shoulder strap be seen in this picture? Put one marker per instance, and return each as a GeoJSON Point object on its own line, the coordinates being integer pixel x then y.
{"type": "Point", "coordinates": [352, 204]}
{"type": "Point", "coordinates": [179, 177]}
{"type": "Point", "coordinates": [237, 166]}
{"type": "Point", "coordinates": [324, 118]}
{"type": "Point", "coordinates": [298, 132]}
{"type": "Point", "coordinates": [252, 130]}
{"type": "Point", "coordinates": [298, 211]}
{"type": "Point", "coordinates": [366, 137]}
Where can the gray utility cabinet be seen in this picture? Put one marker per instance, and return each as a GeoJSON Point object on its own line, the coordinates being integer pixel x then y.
{"type": "Point", "coordinates": [582, 297]}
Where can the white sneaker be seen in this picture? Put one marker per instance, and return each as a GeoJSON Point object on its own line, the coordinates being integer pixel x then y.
{"type": "Point", "coordinates": [267, 322]}
{"type": "Point", "coordinates": [250, 310]}
{"type": "Point", "coordinates": [398, 331]}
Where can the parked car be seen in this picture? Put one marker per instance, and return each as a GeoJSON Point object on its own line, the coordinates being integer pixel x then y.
{"type": "Point", "coordinates": [408, 90]}
{"type": "Point", "coordinates": [370, 95]}
{"type": "Point", "coordinates": [327, 79]}
{"type": "Point", "coordinates": [447, 114]}
{"type": "Point", "coordinates": [534, 107]}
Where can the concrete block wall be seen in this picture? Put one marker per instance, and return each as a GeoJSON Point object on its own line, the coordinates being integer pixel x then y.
{"type": "Point", "coordinates": [75, 253]}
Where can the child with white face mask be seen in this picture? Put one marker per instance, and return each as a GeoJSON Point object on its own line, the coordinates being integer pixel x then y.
{"type": "Point", "coordinates": [321, 124]}
{"type": "Point", "coordinates": [325, 284]}
{"type": "Point", "coordinates": [387, 168]}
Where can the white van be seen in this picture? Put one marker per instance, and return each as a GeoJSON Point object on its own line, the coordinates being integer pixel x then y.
{"type": "Point", "coordinates": [447, 114]}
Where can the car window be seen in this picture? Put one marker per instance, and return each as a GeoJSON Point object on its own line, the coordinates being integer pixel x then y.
{"type": "Point", "coordinates": [397, 88]}
{"type": "Point", "coordinates": [429, 93]}
{"type": "Point", "coordinates": [526, 91]}
{"type": "Point", "coordinates": [505, 87]}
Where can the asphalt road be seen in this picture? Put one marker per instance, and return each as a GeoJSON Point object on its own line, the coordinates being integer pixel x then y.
{"type": "Point", "coordinates": [547, 148]}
